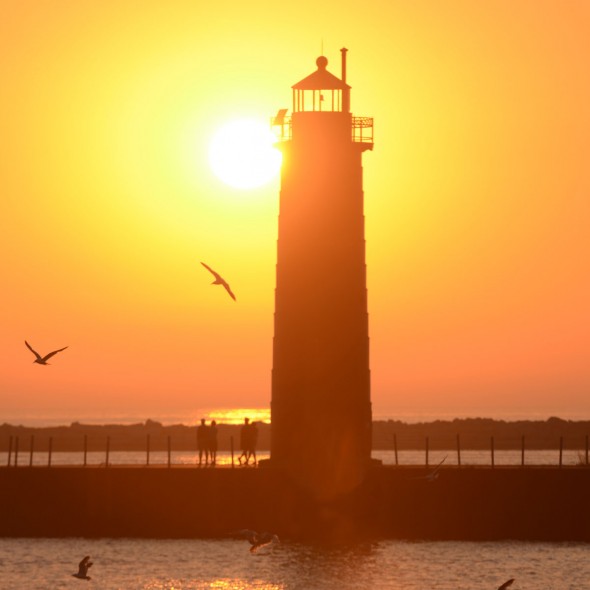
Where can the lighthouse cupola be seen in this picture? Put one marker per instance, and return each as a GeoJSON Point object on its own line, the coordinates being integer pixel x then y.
{"type": "Point", "coordinates": [322, 91]}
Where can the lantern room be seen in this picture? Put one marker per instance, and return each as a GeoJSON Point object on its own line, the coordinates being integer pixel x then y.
{"type": "Point", "coordinates": [322, 91]}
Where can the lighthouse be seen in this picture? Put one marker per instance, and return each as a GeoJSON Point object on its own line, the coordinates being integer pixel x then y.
{"type": "Point", "coordinates": [321, 407]}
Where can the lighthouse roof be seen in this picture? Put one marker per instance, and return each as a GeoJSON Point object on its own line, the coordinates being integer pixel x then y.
{"type": "Point", "coordinates": [321, 79]}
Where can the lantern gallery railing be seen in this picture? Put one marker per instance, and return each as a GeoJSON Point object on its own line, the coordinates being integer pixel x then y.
{"type": "Point", "coordinates": [361, 129]}
{"type": "Point", "coordinates": [281, 126]}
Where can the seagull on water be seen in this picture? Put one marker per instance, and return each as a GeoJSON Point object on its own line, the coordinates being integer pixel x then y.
{"type": "Point", "coordinates": [257, 540]}
{"type": "Point", "coordinates": [219, 280]}
{"type": "Point", "coordinates": [42, 360]}
{"type": "Point", "coordinates": [83, 569]}
{"type": "Point", "coordinates": [506, 584]}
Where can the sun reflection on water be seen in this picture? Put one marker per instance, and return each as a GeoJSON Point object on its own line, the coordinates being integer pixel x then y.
{"type": "Point", "coordinates": [238, 584]}
{"type": "Point", "coordinates": [218, 584]}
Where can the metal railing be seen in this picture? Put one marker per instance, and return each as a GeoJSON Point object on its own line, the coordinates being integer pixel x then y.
{"type": "Point", "coordinates": [361, 129]}
{"type": "Point", "coordinates": [160, 451]}
{"type": "Point", "coordinates": [283, 127]}
{"type": "Point", "coordinates": [157, 451]}
{"type": "Point", "coordinates": [576, 454]}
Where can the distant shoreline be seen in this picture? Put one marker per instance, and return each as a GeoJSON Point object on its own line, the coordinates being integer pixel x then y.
{"type": "Point", "coordinates": [236, 417]}
{"type": "Point", "coordinates": [471, 433]}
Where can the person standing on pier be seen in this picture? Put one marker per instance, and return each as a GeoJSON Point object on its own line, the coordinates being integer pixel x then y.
{"type": "Point", "coordinates": [244, 441]}
{"type": "Point", "coordinates": [203, 441]}
{"type": "Point", "coordinates": [213, 442]}
{"type": "Point", "coordinates": [252, 441]}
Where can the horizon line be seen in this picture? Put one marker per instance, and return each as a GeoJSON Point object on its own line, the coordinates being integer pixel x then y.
{"type": "Point", "coordinates": [166, 421]}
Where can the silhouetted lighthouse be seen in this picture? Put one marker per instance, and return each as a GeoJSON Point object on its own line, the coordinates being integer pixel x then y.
{"type": "Point", "coordinates": [321, 408]}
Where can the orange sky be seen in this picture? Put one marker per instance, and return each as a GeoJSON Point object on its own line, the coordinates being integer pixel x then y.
{"type": "Point", "coordinates": [477, 203]}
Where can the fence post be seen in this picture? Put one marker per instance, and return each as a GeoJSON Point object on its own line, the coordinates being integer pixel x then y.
{"type": "Point", "coordinates": [108, 451]}
{"type": "Point", "coordinates": [169, 448]}
{"type": "Point", "coordinates": [50, 451]}
{"type": "Point", "coordinates": [9, 451]}
{"type": "Point", "coordinates": [560, 452]}
{"type": "Point", "coordinates": [85, 449]}
{"type": "Point", "coordinates": [31, 450]}
{"type": "Point", "coordinates": [522, 452]}
{"type": "Point", "coordinates": [586, 449]}
{"type": "Point", "coordinates": [492, 448]}
{"type": "Point", "coordinates": [427, 451]}
{"type": "Point", "coordinates": [395, 448]}
{"type": "Point", "coordinates": [147, 451]}
{"type": "Point", "coordinates": [16, 452]}
{"type": "Point", "coordinates": [458, 450]}
{"type": "Point", "coordinates": [231, 446]}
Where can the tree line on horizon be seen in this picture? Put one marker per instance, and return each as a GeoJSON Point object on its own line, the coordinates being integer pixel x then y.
{"type": "Point", "coordinates": [474, 433]}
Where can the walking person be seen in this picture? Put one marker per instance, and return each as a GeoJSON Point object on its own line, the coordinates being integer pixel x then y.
{"type": "Point", "coordinates": [253, 441]}
{"type": "Point", "coordinates": [244, 441]}
{"type": "Point", "coordinates": [213, 442]}
{"type": "Point", "coordinates": [203, 442]}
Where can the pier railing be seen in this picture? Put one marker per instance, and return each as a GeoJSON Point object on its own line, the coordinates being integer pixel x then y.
{"type": "Point", "coordinates": [161, 451]}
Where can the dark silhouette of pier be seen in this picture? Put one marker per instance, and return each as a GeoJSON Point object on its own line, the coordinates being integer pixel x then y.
{"type": "Point", "coordinates": [470, 503]}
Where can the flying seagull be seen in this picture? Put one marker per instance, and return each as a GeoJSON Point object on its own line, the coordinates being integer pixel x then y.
{"type": "Point", "coordinates": [257, 540]}
{"type": "Point", "coordinates": [436, 471]}
{"type": "Point", "coordinates": [83, 569]}
{"type": "Point", "coordinates": [433, 475]}
{"type": "Point", "coordinates": [219, 280]}
{"type": "Point", "coordinates": [42, 360]}
{"type": "Point", "coordinates": [506, 584]}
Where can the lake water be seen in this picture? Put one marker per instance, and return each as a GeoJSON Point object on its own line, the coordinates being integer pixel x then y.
{"type": "Point", "coordinates": [144, 564]}
{"type": "Point", "coordinates": [514, 457]}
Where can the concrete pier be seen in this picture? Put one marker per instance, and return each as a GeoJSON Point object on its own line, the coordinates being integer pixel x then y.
{"type": "Point", "coordinates": [468, 503]}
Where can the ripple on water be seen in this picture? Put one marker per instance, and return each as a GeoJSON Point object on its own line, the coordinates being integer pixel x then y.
{"type": "Point", "coordinates": [147, 564]}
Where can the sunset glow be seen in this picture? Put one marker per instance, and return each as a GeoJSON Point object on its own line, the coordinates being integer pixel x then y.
{"type": "Point", "coordinates": [242, 154]}
{"type": "Point", "coordinates": [236, 415]}
{"type": "Point", "coordinates": [477, 203]}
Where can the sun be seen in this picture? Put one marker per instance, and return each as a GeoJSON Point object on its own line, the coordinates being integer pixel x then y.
{"type": "Point", "coordinates": [242, 154]}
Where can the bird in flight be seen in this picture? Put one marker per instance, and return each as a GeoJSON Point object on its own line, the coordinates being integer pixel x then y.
{"type": "Point", "coordinates": [506, 584]}
{"type": "Point", "coordinates": [219, 280]}
{"type": "Point", "coordinates": [42, 360]}
{"type": "Point", "coordinates": [83, 566]}
{"type": "Point", "coordinates": [433, 475]}
{"type": "Point", "coordinates": [257, 540]}
{"type": "Point", "coordinates": [436, 471]}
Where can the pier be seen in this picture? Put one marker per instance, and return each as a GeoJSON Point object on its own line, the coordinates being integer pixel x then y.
{"type": "Point", "coordinates": [462, 503]}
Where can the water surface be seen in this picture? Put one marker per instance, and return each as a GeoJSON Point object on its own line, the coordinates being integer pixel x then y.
{"type": "Point", "coordinates": [144, 564]}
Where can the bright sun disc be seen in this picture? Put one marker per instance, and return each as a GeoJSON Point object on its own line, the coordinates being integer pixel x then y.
{"type": "Point", "coordinates": [242, 154]}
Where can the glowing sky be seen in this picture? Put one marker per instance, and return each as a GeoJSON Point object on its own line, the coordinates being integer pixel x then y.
{"type": "Point", "coordinates": [477, 202]}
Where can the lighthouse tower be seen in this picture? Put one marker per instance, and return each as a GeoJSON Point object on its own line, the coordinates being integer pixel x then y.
{"type": "Point", "coordinates": [321, 408]}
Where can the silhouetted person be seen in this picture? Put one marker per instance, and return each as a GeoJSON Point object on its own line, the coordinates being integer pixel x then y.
{"type": "Point", "coordinates": [244, 442]}
{"type": "Point", "coordinates": [252, 441]}
{"type": "Point", "coordinates": [213, 442]}
{"type": "Point", "coordinates": [203, 441]}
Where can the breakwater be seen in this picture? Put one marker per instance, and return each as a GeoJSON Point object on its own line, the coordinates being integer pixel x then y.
{"type": "Point", "coordinates": [467, 503]}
